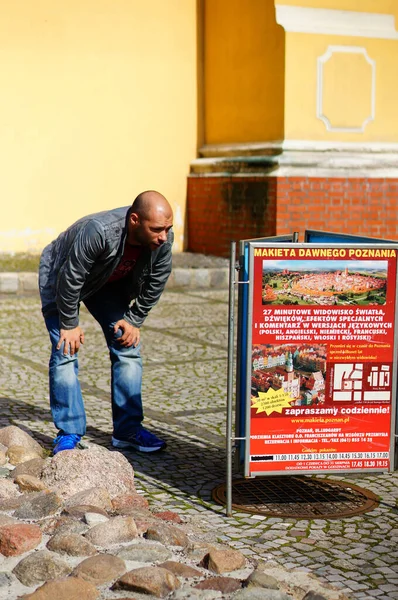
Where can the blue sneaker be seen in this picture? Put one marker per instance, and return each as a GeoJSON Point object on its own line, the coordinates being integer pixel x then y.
{"type": "Point", "coordinates": [66, 441]}
{"type": "Point", "coordinates": [142, 440]}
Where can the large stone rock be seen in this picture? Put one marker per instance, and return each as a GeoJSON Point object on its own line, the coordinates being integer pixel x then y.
{"type": "Point", "coordinates": [168, 515]}
{"type": "Point", "coordinates": [167, 534]}
{"type": "Point", "coordinates": [223, 561]}
{"type": "Point", "coordinates": [40, 506]}
{"type": "Point", "coordinates": [196, 550]}
{"type": "Point", "coordinates": [76, 470]}
{"type": "Point", "coordinates": [97, 496]}
{"type": "Point", "coordinates": [14, 436]}
{"type": "Point", "coordinates": [71, 588]}
{"type": "Point", "coordinates": [100, 569]}
{"type": "Point", "coordinates": [225, 585]}
{"type": "Point", "coordinates": [94, 518]}
{"type": "Point", "coordinates": [15, 539]}
{"type": "Point", "coordinates": [39, 567]}
{"type": "Point", "coordinates": [142, 516]}
{"type": "Point", "coordinates": [180, 569]}
{"type": "Point", "coordinates": [72, 544]}
{"type": "Point", "coordinates": [71, 526]}
{"type": "Point", "coordinates": [12, 503]}
{"type": "Point", "coordinates": [62, 524]}
{"type": "Point", "coordinates": [148, 580]}
{"type": "Point", "coordinates": [80, 510]}
{"type": "Point", "coordinates": [32, 467]}
{"type": "Point", "coordinates": [19, 454]}
{"type": "Point", "coordinates": [8, 490]}
{"type": "Point", "coordinates": [145, 552]}
{"type": "Point", "coordinates": [51, 524]}
{"type": "Point", "coordinates": [260, 579]}
{"type": "Point", "coordinates": [128, 501]}
{"type": "Point", "coordinates": [29, 483]}
{"type": "Point", "coordinates": [115, 531]}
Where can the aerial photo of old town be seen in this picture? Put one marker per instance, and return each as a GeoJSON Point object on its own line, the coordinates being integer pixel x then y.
{"type": "Point", "coordinates": [299, 369]}
{"type": "Point", "coordinates": [325, 282]}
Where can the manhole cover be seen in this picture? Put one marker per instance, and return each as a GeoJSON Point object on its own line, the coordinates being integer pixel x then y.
{"type": "Point", "coordinates": [297, 497]}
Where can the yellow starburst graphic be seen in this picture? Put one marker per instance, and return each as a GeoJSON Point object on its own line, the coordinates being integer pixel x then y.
{"type": "Point", "coordinates": [272, 401]}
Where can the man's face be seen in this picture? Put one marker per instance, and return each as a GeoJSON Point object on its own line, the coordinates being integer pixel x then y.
{"type": "Point", "coordinates": [152, 231]}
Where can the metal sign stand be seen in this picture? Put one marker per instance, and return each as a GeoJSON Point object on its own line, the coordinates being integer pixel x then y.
{"type": "Point", "coordinates": [231, 327]}
{"type": "Point", "coordinates": [234, 280]}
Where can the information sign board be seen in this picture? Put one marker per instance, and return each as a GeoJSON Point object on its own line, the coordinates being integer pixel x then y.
{"type": "Point", "coordinates": [321, 358]}
{"type": "Point", "coordinates": [242, 330]}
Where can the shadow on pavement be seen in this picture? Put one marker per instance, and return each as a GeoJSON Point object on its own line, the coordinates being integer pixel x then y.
{"type": "Point", "coordinates": [193, 470]}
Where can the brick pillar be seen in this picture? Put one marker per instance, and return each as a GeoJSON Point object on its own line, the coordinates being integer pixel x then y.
{"type": "Point", "coordinates": [226, 207]}
{"type": "Point", "coordinates": [221, 209]}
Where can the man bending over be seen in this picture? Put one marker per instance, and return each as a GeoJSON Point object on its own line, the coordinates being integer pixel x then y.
{"type": "Point", "coordinates": [117, 263]}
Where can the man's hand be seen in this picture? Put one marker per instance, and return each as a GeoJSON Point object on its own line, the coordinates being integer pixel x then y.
{"type": "Point", "coordinates": [130, 336]}
{"type": "Point", "coordinates": [71, 338]}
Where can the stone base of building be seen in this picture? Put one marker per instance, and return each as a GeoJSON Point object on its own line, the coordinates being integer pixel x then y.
{"type": "Point", "coordinates": [233, 197]}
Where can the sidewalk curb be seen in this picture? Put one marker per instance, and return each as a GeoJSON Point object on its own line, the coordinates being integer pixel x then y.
{"type": "Point", "coordinates": [180, 278]}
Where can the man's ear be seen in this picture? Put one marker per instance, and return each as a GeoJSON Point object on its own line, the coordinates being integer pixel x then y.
{"type": "Point", "coordinates": [134, 219]}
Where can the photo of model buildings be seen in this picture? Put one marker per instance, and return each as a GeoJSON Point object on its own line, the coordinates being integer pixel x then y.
{"type": "Point", "coordinates": [299, 369]}
{"type": "Point", "coordinates": [324, 282]}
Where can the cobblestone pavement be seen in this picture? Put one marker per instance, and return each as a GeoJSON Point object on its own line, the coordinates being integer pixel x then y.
{"type": "Point", "coordinates": [185, 350]}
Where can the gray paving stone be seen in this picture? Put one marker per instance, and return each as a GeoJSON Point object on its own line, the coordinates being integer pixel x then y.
{"type": "Point", "coordinates": [353, 585]}
{"type": "Point", "coordinates": [389, 588]}
{"type": "Point", "coordinates": [9, 283]}
{"type": "Point", "coordinates": [380, 549]}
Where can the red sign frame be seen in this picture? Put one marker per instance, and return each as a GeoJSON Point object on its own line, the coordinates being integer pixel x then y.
{"type": "Point", "coordinates": [321, 371]}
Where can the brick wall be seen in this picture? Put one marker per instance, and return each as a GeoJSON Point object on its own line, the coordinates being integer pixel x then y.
{"type": "Point", "coordinates": [225, 208]}
{"type": "Point", "coordinates": [357, 206]}
{"type": "Point", "coordinates": [221, 209]}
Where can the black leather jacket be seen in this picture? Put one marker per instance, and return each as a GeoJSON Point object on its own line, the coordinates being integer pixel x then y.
{"type": "Point", "coordinates": [82, 258]}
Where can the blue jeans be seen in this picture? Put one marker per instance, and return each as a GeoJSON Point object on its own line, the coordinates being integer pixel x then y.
{"type": "Point", "coordinates": [107, 306]}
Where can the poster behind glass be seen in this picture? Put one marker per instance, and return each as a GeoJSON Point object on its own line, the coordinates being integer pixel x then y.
{"type": "Point", "coordinates": [322, 358]}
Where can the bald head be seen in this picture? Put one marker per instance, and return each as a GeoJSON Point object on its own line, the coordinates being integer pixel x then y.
{"type": "Point", "coordinates": [150, 219]}
{"type": "Point", "coordinates": [150, 202]}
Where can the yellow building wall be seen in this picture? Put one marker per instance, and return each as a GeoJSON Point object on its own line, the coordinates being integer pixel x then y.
{"type": "Point", "coordinates": [98, 103]}
{"type": "Point", "coordinates": [243, 61]}
{"type": "Point", "coordinates": [347, 80]}
{"type": "Point", "coordinates": [301, 120]}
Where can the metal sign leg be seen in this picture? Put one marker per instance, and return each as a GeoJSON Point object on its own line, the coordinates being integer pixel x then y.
{"type": "Point", "coordinates": [231, 323]}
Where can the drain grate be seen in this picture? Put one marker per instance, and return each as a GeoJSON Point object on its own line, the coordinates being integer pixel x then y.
{"type": "Point", "coordinates": [297, 497]}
